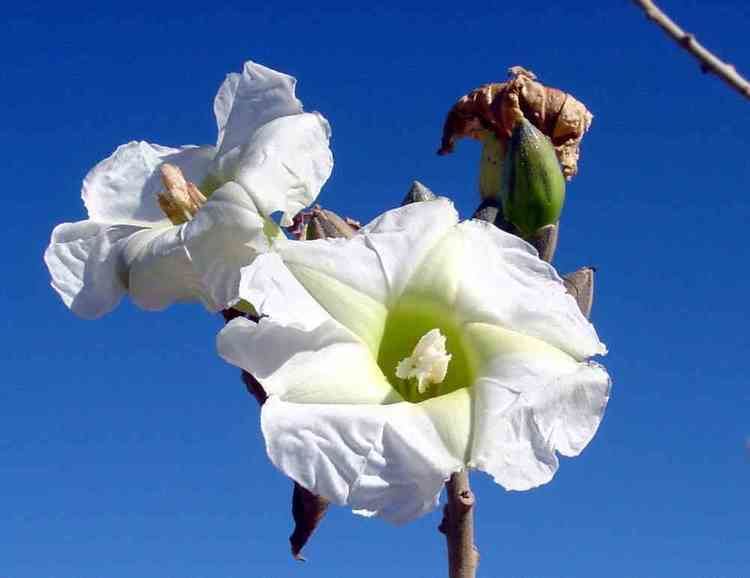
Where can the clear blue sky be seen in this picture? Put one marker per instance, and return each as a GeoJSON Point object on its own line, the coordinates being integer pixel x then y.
{"type": "Point", "coordinates": [129, 449]}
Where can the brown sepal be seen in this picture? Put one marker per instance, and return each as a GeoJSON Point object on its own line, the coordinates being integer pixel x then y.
{"type": "Point", "coordinates": [545, 241]}
{"type": "Point", "coordinates": [307, 510]}
{"type": "Point", "coordinates": [580, 284]}
{"type": "Point", "coordinates": [417, 193]}
{"type": "Point", "coordinates": [490, 210]}
{"type": "Point", "coordinates": [252, 385]}
{"type": "Point", "coordinates": [325, 224]}
{"type": "Point", "coordinates": [319, 223]}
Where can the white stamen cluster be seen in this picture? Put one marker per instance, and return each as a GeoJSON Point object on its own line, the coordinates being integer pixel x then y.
{"type": "Point", "coordinates": [428, 363]}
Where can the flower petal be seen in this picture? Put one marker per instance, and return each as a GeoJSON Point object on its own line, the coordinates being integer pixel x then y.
{"type": "Point", "coordinates": [383, 255]}
{"type": "Point", "coordinates": [161, 272]}
{"type": "Point", "coordinates": [85, 262]}
{"type": "Point", "coordinates": [402, 238]}
{"type": "Point", "coordinates": [273, 291]}
{"type": "Point", "coordinates": [487, 275]}
{"type": "Point", "coordinates": [358, 312]}
{"type": "Point", "coordinates": [324, 365]}
{"type": "Point", "coordinates": [225, 235]}
{"type": "Point", "coordinates": [122, 188]}
{"type": "Point", "coordinates": [283, 165]}
{"type": "Point", "coordinates": [530, 402]}
{"type": "Point", "coordinates": [452, 417]}
{"type": "Point", "coordinates": [356, 279]}
{"type": "Point", "coordinates": [247, 101]}
{"type": "Point", "coordinates": [386, 460]}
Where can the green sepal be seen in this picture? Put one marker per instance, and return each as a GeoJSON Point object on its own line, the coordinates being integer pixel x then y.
{"type": "Point", "coordinates": [246, 307]}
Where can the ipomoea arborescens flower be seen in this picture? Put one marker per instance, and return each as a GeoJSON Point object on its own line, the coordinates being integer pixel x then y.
{"type": "Point", "coordinates": [270, 156]}
{"type": "Point", "coordinates": [418, 347]}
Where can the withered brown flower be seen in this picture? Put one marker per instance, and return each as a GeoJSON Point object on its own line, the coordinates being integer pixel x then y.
{"type": "Point", "coordinates": [496, 107]}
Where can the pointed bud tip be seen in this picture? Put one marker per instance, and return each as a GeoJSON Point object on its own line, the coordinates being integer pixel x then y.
{"type": "Point", "coordinates": [417, 193]}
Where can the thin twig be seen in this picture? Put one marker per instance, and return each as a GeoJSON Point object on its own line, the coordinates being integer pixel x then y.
{"type": "Point", "coordinates": [458, 527]}
{"type": "Point", "coordinates": [708, 61]}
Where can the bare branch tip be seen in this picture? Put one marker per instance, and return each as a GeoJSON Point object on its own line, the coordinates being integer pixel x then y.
{"type": "Point", "coordinates": [709, 62]}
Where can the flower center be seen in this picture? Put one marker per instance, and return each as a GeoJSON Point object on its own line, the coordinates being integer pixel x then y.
{"type": "Point", "coordinates": [428, 363]}
{"type": "Point", "coordinates": [422, 352]}
{"type": "Point", "coordinates": [180, 199]}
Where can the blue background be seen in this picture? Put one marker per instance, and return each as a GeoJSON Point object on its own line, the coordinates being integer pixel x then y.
{"type": "Point", "coordinates": [128, 448]}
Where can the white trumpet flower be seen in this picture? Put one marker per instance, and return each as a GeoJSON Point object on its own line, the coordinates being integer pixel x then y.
{"type": "Point", "coordinates": [144, 235]}
{"type": "Point", "coordinates": [417, 348]}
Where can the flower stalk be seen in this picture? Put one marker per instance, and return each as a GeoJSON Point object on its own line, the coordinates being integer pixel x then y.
{"type": "Point", "coordinates": [458, 527]}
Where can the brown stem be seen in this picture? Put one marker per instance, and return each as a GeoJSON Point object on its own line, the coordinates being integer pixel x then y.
{"type": "Point", "coordinates": [458, 527]}
{"type": "Point", "coordinates": [709, 62]}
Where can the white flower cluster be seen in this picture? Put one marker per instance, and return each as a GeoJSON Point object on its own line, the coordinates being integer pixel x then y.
{"type": "Point", "coordinates": [418, 347]}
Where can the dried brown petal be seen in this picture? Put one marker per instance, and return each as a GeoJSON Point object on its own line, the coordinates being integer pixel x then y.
{"type": "Point", "coordinates": [497, 107]}
{"type": "Point", "coordinates": [471, 116]}
{"type": "Point", "coordinates": [307, 510]}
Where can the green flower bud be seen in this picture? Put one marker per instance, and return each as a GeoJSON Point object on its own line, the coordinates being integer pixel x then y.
{"type": "Point", "coordinates": [533, 186]}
